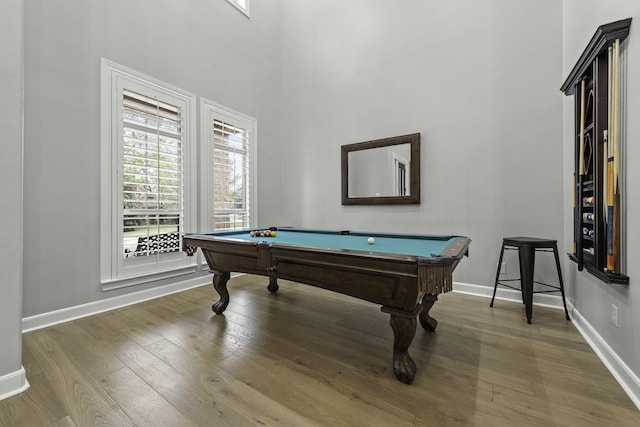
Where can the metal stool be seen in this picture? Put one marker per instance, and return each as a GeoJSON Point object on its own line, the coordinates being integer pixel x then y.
{"type": "Point", "coordinates": [527, 247]}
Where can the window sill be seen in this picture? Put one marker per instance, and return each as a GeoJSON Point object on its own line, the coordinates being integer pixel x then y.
{"type": "Point", "coordinates": [110, 285]}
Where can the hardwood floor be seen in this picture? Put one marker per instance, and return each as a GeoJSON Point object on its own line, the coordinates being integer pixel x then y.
{"type": "Point", "coordinates": [308, 357]}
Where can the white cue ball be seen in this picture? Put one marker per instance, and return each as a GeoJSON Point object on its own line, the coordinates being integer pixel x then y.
{"type": "Point", "coordinates": [371, 240]}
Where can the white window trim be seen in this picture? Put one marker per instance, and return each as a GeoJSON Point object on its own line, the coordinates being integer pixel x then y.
{"type": "Point", "coordinates": [246, 10]}
{"type": "Point", "coordinates": [208, 110]}
{"type": "Point", "coordinates": [112, 273]}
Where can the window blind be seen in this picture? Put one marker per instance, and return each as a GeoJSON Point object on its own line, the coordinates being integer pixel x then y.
{"type": "Point", "coordinates": [152, 175]}
{"type": "Point", "coordinates": [231, 176]}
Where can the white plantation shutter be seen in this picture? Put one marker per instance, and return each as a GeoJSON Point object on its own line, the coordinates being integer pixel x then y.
{"type": "Point", "coordinates": [152, 175]}
{"type": "Point", "coordinates": [149, 177]}
{"type": "Point", "coordinates": [231, 176]}
{"type": "Point", "coordinates": [229, 165]}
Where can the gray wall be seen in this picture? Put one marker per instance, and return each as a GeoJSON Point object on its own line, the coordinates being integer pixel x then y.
{"type": "Point", "coordinates": [11, 67]}
{"type": "Point", "coordinates": [206, 47]}
{"type": "Point", "coordinates": [593, 298]}
{"type": "Point", "coordinates": [481, 87]}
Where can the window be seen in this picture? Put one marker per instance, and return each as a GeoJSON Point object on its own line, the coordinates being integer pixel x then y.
{"type": "Point", "coordinates": [148, 176]}
{"type": "Point", "coordinates": [242, 5]}
{"type": "Point", "coordinates": [230, 163]}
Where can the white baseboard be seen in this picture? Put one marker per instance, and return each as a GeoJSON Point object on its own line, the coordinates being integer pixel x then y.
{"type": "Point", "coordinates": [627, 379]}
{"type": "Point", "coordinates": [13, 383]}
{"type": "Point", "coordinates": [544, 300]}
{"type": "Point", "coordinates": [66, 314]}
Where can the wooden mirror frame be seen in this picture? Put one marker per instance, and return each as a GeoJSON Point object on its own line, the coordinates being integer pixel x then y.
{"type": "Point", "coordinates": [414, 173]}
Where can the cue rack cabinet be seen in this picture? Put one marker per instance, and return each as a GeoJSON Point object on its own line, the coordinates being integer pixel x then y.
{"type": "Point", "coordinates": [590, 195]}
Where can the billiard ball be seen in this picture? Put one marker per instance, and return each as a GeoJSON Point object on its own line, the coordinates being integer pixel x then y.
{"type": "Point", "coordinates": [371, 240]}
{"type": "Point", "coordinates": [273, 233]}
{"type": "Point", "coordinates": [252, 233]}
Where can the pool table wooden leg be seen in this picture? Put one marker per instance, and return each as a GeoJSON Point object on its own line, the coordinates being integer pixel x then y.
{"type": "Point", "coordinates": [428, 322]}
{"type": "Point", "coordinates": [220, 280]}
{"type": "Point", "coordinates": [404, 330]}
{"type": "Point", "coordinates": [273, 283]}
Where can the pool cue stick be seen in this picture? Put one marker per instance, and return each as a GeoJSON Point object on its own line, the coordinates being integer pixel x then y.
{"type": "Point", "coordinates": [577, 186]}
{"type": "Point", "coordinates": [608, 135]}
{"type": "Point", "coordinates": [579, 247]}
{"type": "Point", "coordinates": [616, 109]}
{"type": "Point", "coordinates": [617, 159]}
{"type": "Point", "coordinates": [582, 113]}
{"type": "Point", "coordinates": [605, 152]}
{"type": "Point", "coordinates": [575, 212]}
{"type": "Point", "coordinates": [610, 160]}
{"type": "Point", "coordinates": [607, 139]}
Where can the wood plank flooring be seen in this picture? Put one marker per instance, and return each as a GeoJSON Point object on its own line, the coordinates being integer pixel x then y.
{"type": "Point", "coordinates": [309, 357]}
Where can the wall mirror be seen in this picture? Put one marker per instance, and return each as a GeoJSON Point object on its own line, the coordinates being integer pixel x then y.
{"type": "Point", "coordinates": [382, 172]}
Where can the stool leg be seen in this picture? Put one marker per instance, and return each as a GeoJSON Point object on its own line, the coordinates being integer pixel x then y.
{"type": "Point", "coordinates": [521, 277]}
{"type": "Point", "coordinates": [527, 263]}
{"type": "Point", "coordinates": [555, 253]}
{"type": "Point", "coordinates": [495, 285]}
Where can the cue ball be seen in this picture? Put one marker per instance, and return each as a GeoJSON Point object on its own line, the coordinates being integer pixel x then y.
{"type": "Point", "coordinates": [371, 240]}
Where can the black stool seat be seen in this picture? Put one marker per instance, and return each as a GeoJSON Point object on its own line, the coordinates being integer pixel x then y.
{"type": "Point", "coordinates": [527, 248]}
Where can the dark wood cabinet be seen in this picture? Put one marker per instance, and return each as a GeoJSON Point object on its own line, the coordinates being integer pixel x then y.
{"type": "Point", "coordinates": [598, 225]}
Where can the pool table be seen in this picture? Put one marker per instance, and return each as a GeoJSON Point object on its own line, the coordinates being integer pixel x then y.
{"type": "Point", "coordinates": [404, 273]}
